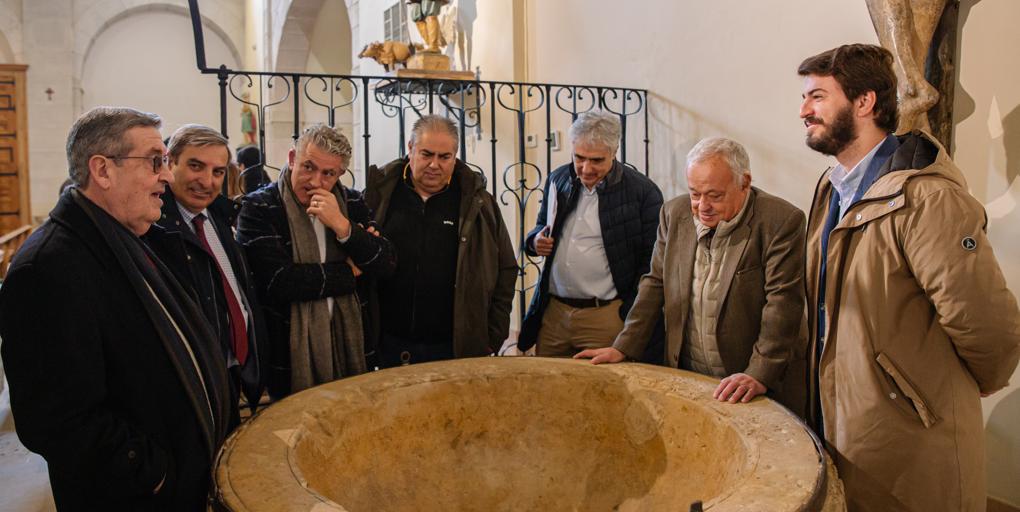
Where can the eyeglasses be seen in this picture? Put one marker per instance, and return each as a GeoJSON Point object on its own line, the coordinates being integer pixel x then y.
{"type": "Point", "coordinates": [158, 162]}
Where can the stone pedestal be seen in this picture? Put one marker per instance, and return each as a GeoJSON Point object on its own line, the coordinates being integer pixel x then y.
{"type": "Point", "coordinates": [429, 61]}
{"type": "Point", "coordinates": [431, 65]}
{"type": "Point", "coordinates": [433, 74]}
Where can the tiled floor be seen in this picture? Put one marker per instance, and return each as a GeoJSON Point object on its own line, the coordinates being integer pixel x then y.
{"type": "Point", "coordinates": [24, 485]}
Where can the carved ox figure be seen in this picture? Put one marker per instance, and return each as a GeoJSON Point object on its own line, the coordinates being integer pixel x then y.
{"type": "Point", "coordinates": [389, 53]}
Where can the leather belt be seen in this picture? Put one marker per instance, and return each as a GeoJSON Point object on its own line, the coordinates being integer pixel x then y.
{"type": "Point", "coordinates": [584, 303]}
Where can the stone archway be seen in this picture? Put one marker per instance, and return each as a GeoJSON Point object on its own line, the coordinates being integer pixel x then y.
{"type": "Point", "coordinates": [293, 38]}
{"type": "Point", "coordinates": [87, 34]}
{"type": "Point", "coordinates": [293, 46]}
{"type": "Point", "coordinates": [291, 32]}
{"type": "Point", "coordinates": [225, 18]}
{"type": "Point", "coordinates": [138, 60]}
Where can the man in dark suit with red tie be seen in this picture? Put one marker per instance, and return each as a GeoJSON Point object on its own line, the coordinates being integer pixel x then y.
{"type": "Point", "coordinates": [194, 237]}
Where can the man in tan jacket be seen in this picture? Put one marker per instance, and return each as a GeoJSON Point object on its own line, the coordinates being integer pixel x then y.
{"type": "Point", "coordinates": [726, 272]}
{"type": "Point", "coordinates": [909, 314]}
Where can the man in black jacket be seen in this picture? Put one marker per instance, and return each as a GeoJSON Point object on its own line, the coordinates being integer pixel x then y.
{"type": "Point", "coordinates": [313, 249]}
{"type": "Point", "coordinates": [450, 295]}
{"type": "Point", "coordinates": [194, 237]}
{"type": "Point", "coordinates": [116, 378]}
{"type": "Point", "coordinates": [598, 215]}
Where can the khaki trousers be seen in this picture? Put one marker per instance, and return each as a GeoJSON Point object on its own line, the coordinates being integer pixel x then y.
{"type": "Point", "coordinates": [568, 330]}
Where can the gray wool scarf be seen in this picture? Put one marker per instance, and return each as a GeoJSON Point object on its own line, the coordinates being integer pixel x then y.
{"type": "Point", "coordinates": [323, 348]}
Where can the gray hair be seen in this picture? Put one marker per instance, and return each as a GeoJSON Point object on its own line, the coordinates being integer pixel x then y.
{"type": "Point", "coordinates": [100, 131]}
{"type": "Point", "coordinates": [195, 135]}
{"type": "Point", "coordinates": [326, 138]}
{"type": "Point", "coordinates": [434, 123]}
{"type": "Point", "coordinates": [729, 150]}
{"type": "Point", "coordinates": [597, 127]}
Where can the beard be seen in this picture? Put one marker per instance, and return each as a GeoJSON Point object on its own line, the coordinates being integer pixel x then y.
{"type": "Point", "coordinates": [839, 135]}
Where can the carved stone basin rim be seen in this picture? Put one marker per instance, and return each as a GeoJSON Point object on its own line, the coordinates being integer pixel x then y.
{"type": "Point", "coordinates": [522, 434]}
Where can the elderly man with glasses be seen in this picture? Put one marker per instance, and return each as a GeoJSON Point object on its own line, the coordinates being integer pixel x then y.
{"type": "Point", "coordinates": [116, 378]}
{"type": "Point", "coordinates": [314, 252]}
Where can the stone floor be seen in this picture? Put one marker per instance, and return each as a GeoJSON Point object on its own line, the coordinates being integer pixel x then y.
{"type": "Point", "coordinates": [24, 485]}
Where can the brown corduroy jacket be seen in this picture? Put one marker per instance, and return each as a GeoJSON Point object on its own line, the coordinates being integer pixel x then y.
{"type": "Point", "coordinates": [760, 329]}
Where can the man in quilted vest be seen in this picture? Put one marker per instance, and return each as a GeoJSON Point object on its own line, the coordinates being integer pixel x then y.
{"type": "Point", "coordinates": [596, 229]}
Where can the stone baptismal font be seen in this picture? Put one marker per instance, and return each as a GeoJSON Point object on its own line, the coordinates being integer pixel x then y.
{"type": "Point", "coordinates": [508, 434]}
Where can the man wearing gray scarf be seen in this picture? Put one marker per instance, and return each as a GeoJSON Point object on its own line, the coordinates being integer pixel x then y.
{"type": "Point", "coordinates": [312, 248]}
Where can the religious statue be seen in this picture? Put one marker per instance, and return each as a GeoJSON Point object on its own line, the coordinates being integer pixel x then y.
{"type": "Point", "coordinates": [905, 28]}
{"type": "Point", "coordinates": [425, 14]}
{"type": "Point", "coordinates": [249, 123]}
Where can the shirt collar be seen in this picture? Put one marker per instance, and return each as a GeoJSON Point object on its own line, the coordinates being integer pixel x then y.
{"type": "Point", "coordinates": [847, 182]}
{"type": "Point", "coordinates": [188, 217]}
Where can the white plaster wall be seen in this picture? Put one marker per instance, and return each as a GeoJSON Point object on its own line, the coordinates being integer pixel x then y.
{"type": "Point", "coordinates": [10, 32]}
{"type": "Point", "coordinates": [140, 62]}
{"type": "Point", "coordinates": [55, 36]}
{"type": "Point", "coordinates": [91, 17]}
{"type": "Point", "coordinates": [712, 68]}
{"type": "Point", "coordinates": [117, 71]}
{"type": "Point", "coordinates": [48, 50]}
{"type": "Point", "coordinates": [6, 54]}
{"type": "Point", "coordinates": [987, 142]}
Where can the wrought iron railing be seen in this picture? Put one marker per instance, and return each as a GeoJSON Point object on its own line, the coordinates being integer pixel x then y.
{"type": "Point", "coordinates": [515, 168]}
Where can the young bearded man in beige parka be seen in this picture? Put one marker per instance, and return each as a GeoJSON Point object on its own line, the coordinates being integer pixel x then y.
{"type": "Point", "coordinates": [909, 314]}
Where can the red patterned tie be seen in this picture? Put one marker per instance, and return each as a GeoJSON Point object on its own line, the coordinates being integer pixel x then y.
{"type": "Point", "coordinates": [238, 332]}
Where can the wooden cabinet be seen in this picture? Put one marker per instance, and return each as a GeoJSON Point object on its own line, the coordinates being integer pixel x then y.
{"type": "Point", "coordinates": [15, 208]}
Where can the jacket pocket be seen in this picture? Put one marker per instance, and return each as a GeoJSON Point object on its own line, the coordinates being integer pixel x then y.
{"type": "Point", "coordinates": [927, 415]}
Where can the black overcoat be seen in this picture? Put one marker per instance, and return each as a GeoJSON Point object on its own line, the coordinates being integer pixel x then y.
{"type": "Point", "coordinates": [93, 389]}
